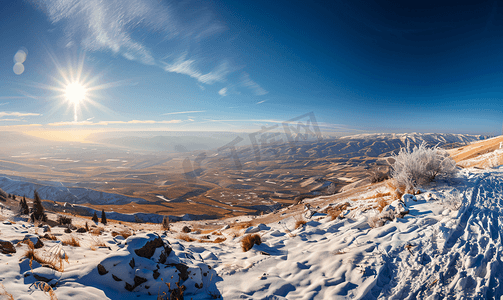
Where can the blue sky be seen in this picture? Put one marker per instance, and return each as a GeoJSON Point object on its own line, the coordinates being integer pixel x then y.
{"type": "Point", "coordinates": [234, 65]}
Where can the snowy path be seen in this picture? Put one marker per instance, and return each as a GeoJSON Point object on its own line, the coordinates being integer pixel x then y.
{"type": "Point", "coordinates": [436, 252]}
{"type": "Point", "coordinates": [466, 266]}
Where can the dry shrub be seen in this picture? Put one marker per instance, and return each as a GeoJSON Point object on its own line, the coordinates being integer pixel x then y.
{"type": "Point", "coordinates": [234, 233]}
{"type": "Point", "coordinates": [96, 243]}
{"type": "Point", "coordinates": [419, 166]}
{"type": "Point", "coordinates": [216, 241]}
{"type": "Point", "coordinates": [54, 258]}
{"type": "Point", "coordinates": [3, 292]}
{"type": "Point", "coordinates": [185, 237]}
{"type": "Point", "coordinates": [336, 211]}
{"type": "Point", "coordinates": [378, 173]}
{"type": "Point", "coordinates": [219, 240]}
{"type": "Point", "coordinates": [97, 231]}
{"type": "Point", "coordinates": [249, 240]}
{"type": "Point", "coordinates": [63, 220]}
{"type": "Point", "coordinates": [381, 203]}
{"type": "Point", "coordinates": [125, 233]}
{"type": "Point", "coordinates": [299, 221]}
{"type": "Point", "coordinates": [46, 288]}
{"type": "Point", "coordinates": [396, 191]}
{"type": "Point", "coordinates": [71, 241]}
{"type": "Point", "coordinates": [50, 237]}
{"type": "Point", "coordinates": [243, 225]}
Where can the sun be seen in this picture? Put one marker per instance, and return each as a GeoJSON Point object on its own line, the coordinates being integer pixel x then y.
{"type": "Point", "coordinates": [75, 93]}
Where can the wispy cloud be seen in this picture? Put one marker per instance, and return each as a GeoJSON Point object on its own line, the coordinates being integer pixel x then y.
{"type": "Point", "coordinates": [4, 103]}
{"type": "Point", "coordinates": [185, 66]}
{"type": "Point", "coordinates": [106, 25]}
{"type": "Point", "coordinates": [246, 81]}
{"type": "Point", "coordinates": [112, 26]}
{"type": "Point", "coordinates": [11, 120]}
{"type": "Point", "coordinates": [17, 114]}
{"type": "Point", "coordinates": [260, 102]}
{"type": "Point", "coordinates": [223, 92]}
{"type": "Point", "coordinates": [105, 123]}
{"type": "Point", "coordinates": [184, 112]}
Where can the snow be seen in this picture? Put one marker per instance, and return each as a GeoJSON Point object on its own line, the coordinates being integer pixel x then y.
{"type": "Point", "coordinates": [57, 191]}
{"type": "Point", "coordinates": [447, 246]}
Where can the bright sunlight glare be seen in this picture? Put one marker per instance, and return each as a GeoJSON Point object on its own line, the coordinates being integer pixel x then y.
{"type": "Point", "coordinates": [75, 93]}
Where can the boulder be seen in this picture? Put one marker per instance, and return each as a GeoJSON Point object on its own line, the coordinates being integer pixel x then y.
{"type": "Point", "coordinates": [149, 248]}
{"type": "Point", "coordinates": [7, 247]}
{"type": "Point", "coordinates": [102, 270]}
{"type": "Point", "coordinates": [37, 243]}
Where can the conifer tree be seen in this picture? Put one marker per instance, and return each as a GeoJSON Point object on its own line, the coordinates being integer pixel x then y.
{"type": "Point", "coordinates": [95, 218]}
{"type": "Point", "coordinates": [23, 207]}
{"type": "Point", "coordinates": [103, 217]}
{"type": "Point", "coordinates": [165, 223]}
{"type": "Point", "coordinates": [38, 209]}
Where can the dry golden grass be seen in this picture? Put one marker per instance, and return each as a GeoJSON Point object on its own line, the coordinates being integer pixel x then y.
{"type": "Point", "coordinates": [3, 292]}
{"type": "Point", "coordinates": [185, 237]}
{"type": "Point", "coordinates": [249, 240]}
{"type": "Point", "coordinates": [71, 241]}
{"type": "Point", "coordinates": [216, 233]}
{"type": "Point", "coordinates": [219, 240]}
{"type": "Point", "coordinates": [97, 231]}
{"type": "Point", "coordinates": [299, 221]}
{"type": "Point", "coordinates": [234, 233]}
{"type": "Point", "coordinates": [125, 233]}
{"type": "Point", "coordinates": [50, 237]}
{"type": "Point", "coordinates": [46, 288]}
{"type": "Point", "coordinates": [96, 243]}
{"type": "Point", "coordinates": [381, 194]}
{"type": "Point", "coordinates": [381, 203]}
{"type": "Point", "coordinates": [54, 259]}
{"type": "Point", "coordinates": [396, 192]}
{"type": "Point", "coordinates": [336, 211]}
{"type": "Point", "coordinates": [216, 241]}
{"type": "Point", "coordinates": [242, 225]}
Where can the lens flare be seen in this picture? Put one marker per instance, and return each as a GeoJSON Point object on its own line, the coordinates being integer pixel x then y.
{"type": "Point", "coordinates": [75, 93]}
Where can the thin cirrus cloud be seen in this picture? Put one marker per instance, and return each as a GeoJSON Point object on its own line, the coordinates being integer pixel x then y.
{"type": "Point", "coordinates": [255, 87]}
{"type": "Point", "coordinates": [17, 114]}
{"type": "Point", "coordinates": [105, 123]}
{"type": "Point", "coordinates": [184, 112]}
{"type": "Point", "coordinates": [108, 26]}
{"type": "Point", "coordinates": [185, 66]}
{"type": "Point", "coordinates": [11, 120]}
{"type": "Point", "coordinates": [223, 92]}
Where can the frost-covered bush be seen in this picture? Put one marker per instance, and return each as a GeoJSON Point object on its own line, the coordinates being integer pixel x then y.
{"type": "Point", "coordinates": [419, 166]}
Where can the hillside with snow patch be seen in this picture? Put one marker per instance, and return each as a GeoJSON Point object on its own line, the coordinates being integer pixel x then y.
{"type": "Point", "coordinates": [447, 246]}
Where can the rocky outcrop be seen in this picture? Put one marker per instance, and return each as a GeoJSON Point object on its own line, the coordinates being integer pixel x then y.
{"type": "Point", "coordinates": [149, 264]}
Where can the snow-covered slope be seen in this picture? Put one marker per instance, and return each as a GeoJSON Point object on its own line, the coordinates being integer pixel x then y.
{"type": "Point", "coordinates": [447, 247]}
{"type": "Point", "coordinates": [58, 192]}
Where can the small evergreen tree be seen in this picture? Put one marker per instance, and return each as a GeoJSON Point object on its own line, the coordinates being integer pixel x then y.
{"type": "Point", "coordinates": [23, 207]}
{"type": "Point", "coordinates": [165, 223]}
{"type": "Point", "coordinates": [38, 209]}
{"type": "Point", "coordinates": [103, 217]}
{"type": "Point", "coordinates": [95, 218]}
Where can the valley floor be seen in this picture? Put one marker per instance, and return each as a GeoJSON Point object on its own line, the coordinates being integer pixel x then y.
{"type": "Point", "coordinates": [449, 246]}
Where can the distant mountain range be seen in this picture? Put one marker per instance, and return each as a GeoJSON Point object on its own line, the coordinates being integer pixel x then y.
{"type": "Point", "coordinates": [252, 175]}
